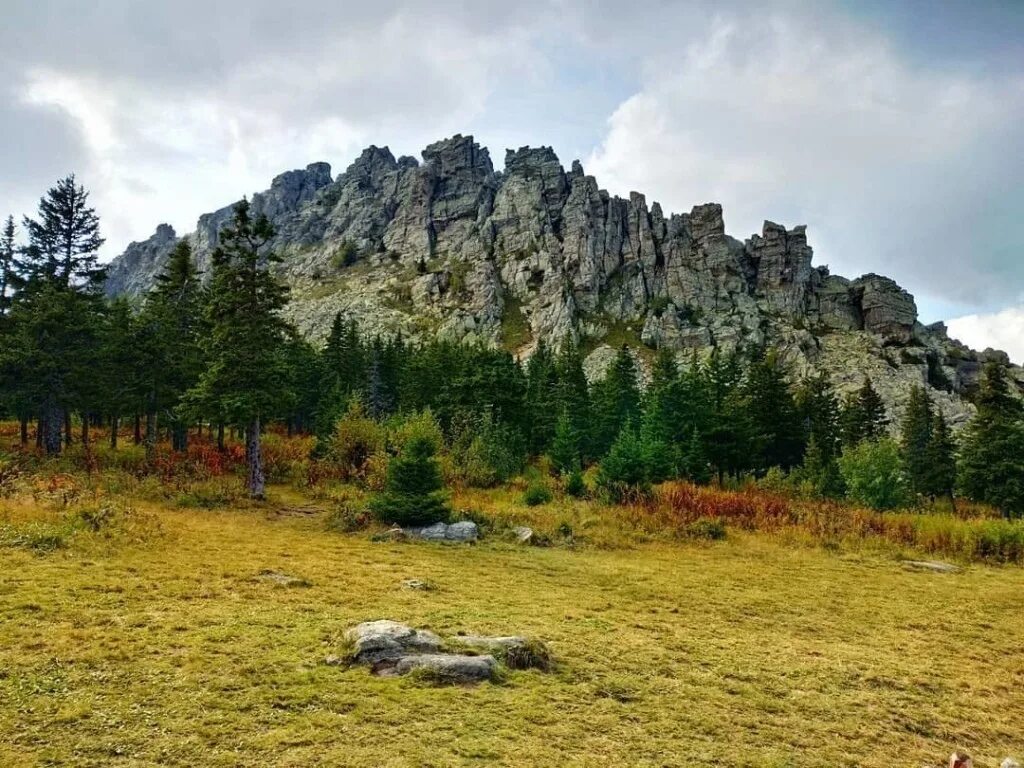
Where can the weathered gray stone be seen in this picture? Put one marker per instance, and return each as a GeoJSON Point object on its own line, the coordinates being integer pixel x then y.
{"type": "Point", "coordinates": [449, 668]}
{"type": "Point", "coordinates": [384, 641]}
{"type": "Point", "coordinates": [931, 565]}
{"type": "Point", "coordinates": [464, 531]}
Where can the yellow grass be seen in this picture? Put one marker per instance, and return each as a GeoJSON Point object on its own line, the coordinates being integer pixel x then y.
{"type": "Point", "coordinates": [167, 651]}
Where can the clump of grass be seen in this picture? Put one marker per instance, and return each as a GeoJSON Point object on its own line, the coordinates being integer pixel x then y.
{"type": "Point", "coordinates": [533, 654]}
{"type": "Point", "coordinates": [36, 536]}
{"type": "Point", "coordinates": [709, 528]}
{"type": "Point", "coordinates": [348, 518]}
{"type": "Point", "coordinates": [617, 689]}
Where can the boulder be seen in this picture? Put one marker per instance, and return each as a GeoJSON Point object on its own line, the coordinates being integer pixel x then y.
{"type": "Point", "coordinates": [450, 668]}
{"type": "Point", "coordinates": [1009, 762]}
{"type": "Point", "coordinates": [463, 531]}
{"type": "Point", "coordinates": [931, 565]}
{"type": "Point", "coordinates": [960, 760]}
{"type": "Point", "coordinates": [384, 642]}
{"type": "Point", "coordinates": [523, 534]}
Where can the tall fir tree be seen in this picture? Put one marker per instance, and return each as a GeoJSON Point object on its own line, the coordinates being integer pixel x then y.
{"type": "Point", "coordinates": [915, 438]}
{"type": "Point", "coordinates": [941, 461]}
{"type": "Point", "coordinates": [616, 401]}
{"type": "Point", "coordinates": [245, 372]}
{"type": "Point", "coordinates": [863, 415]}
{"type": "Point", "coordinates": [10, 269]}
{"type": "Point", "coordinates": [775, 429]}
{"type": "Point", "coordinates": [992, 452]}
{"type": "Point", "coordinates": [57, 318]}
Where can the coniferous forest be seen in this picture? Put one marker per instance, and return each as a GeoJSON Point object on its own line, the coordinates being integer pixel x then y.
{"type": "Point", "coordinates": [213, 352]}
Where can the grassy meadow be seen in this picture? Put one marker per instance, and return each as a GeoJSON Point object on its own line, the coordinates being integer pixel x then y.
{"type": "Point", "coordinates": [136, 628]}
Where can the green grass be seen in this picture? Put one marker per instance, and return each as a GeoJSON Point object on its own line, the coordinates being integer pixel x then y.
{"type": "Point", "coordinates": [515, 330]}
{"type": "Point", "coordinates": [168, 650]}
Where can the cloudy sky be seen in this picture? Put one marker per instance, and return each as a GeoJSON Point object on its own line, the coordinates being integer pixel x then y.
{"type": "Point", "coordinates": [895, 130]}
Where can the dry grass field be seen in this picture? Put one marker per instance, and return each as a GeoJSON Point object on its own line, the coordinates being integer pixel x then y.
{"type": "Point", "coordinates": [158, 644]}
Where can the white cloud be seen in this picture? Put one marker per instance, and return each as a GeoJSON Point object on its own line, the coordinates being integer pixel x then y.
{"type": "Point", "coordinates": [813, 119]}
{"type": "Point", "coordinates": [170, 149]}
{"type": "Point", "coordinates": [1001, 330]}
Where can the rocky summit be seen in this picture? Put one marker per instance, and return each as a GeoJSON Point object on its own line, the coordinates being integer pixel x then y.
{"type": "Point", "coordinates": [449, 246]}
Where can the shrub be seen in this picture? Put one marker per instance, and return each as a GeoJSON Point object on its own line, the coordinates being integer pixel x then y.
{"type": "Point", "coordinates": [711, 529]}
{"type": "Point", "coordinates": [347, 518]}
{"type": "Point", "coordinates": [412, 492]}
{"type": "Point", "coordinates": [536, 493]}
{"type": "Point", "coordinates": [574, 484]}
{"type": "Point", "coordinates": [873, 474]}
{"type": "Point", "coordinates": [625, 468]}
{"type": "Point", "coordinates": [356, 438]}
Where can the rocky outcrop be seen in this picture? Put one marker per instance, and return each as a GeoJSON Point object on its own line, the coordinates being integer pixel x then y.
{"type": "Point", "coordinates": [450, 246]}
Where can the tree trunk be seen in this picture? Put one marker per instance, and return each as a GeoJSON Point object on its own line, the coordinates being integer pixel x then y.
{"type": "Point", "coordinates": [150, 439]}
{"type": "Point", "coordinates": [115, 422]}
{"type": "Point", "coordinates": [291, 427]}
{"type": "Point", "coordinates": [138, 429]}
{"type": "Point", "coordinates": [179, 436]}
{"type": "Point", "coordinates": [256, 482]}
{"type": "Point", "coordinates": [53, 421]}
{"type": "Point", "coordinates": [220, 436]}
{"type": "Point", "coordinates": [85, 429]}
{"type": "Point", "coordinates": [24, 431]}
{"type": "Point", "coordinates": [40, 428]}
{"type": "Point", "coordinates": [67, 427]}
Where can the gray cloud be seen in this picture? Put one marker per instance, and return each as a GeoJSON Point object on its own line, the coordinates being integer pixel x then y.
{"type": "Point", "coordinates": [901, 160]}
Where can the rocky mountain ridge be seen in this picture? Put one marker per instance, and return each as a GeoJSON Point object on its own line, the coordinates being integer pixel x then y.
{"type": "Point", "coordinates": [451, 246]}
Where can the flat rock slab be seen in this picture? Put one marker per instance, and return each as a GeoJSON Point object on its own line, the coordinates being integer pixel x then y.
{"type": "Point", "coordinates": [463, 531]}
{"type": "Point", "coordinates": [930, 565]}
{"type": "Point", "coordinates": [449, 668]}
{"type": "Point", "coordinates": [379, 642]}
{"type": "Point", "coordinates": [419, 585]}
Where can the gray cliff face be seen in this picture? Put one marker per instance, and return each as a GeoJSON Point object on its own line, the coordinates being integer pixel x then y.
{"type": "Point", "coordinates": [450, 246]}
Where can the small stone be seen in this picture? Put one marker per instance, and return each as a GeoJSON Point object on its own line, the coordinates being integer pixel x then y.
{"type": "Point", "coordinates": [419, 584]}
{"type": "Point", "coordinates": [449, 668]}
{"type": "Point", "coordinates": [931, 565]}
{"type": "Point", "coordinates": [523, 534]}
{"type": "Point", "coordinates": [960, 760]}
{"type": "Point", "coordinates": [1009, 762]}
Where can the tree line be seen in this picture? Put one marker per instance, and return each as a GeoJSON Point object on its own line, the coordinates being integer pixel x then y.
{"type": "Point", "coordinates": [216, 350]}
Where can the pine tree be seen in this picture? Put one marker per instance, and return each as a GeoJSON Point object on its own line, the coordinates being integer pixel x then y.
{"type": "Point", "coordinates": [565, 447]}
{"type": "Point", "coordinates": [695, 462]}
{"type": "Point", "coordinates": [412, 492]}
{"type": "Point", "coordinates": [819, 410]}
{"type": "Point", "coordinates": [726, 431]}
{"type": "Point", "coordinates": [541, 398]}
{"type": "Point", "coordinates": [616, 401]}
{"type": "Point", "coordinates": [992, 452]}
{"type": "Point", "coordinates": [57, 317]}
{"type": "Point", "coordinates": [915, 438]}
{"type": "Point", "coordinates": [245, 372]}
{"type": "Point", "coordinates": [776, 434]}
{"type": "Point", "coordinates": [625, 468]}
{"type": "Point", "coordinates": [574, 392]}
{"type": "Point", "coordinates": [863, 415]}
{"type": "Point", "coordinates": [65, 239]}
{"type": "Point", "coordinates": [10, 278]}
{"type": "Point", "coordinates": [941, 461]}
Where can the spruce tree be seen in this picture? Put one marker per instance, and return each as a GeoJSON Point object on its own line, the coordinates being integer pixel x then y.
{"type": "Point", "coordinates": [413, 486]}
{"type": "Point", "coordinates": [57, 317]}
{"type": "Point", "coordinates": [565, 447]}
{"type": "Point", "coordinates": [941, 461]}
{"type": "Point", "coordinates": [863, 415]}
{"type": "Point", "coordinates": [819, 410]}
{"type": "Point", "coordinates": [915, 438]}
{"type": "Point", "coordinates": [775, 430]}
{"type": "Point", "coordinates": [245, 372]}
{"type": "Point", "coordinates": [992, 452]}
{"type": "Point", "coordinates": [541, 397]}
{"type": "Point", "coordinates": [616, 401]}
{"type": "Point", "coordinates": [10, 277]}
